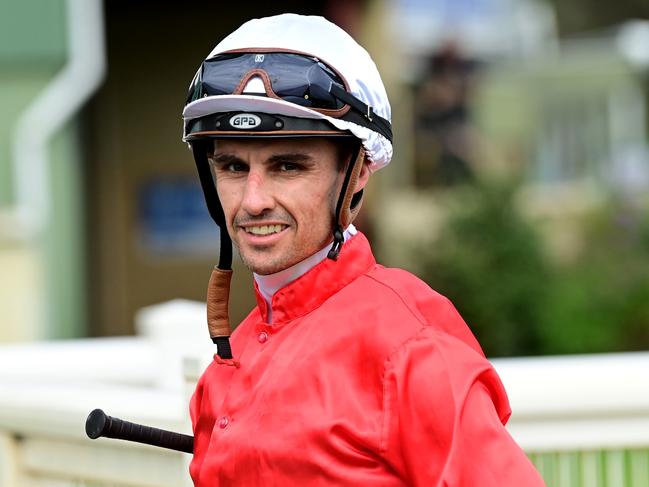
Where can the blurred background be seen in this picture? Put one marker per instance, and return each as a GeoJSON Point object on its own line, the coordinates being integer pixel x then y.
{"type": "Point", "coordinates": [518, 186]}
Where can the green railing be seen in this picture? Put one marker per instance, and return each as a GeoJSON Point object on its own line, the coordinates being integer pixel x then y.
{"type": "Point", "coordinates": [599, 468]}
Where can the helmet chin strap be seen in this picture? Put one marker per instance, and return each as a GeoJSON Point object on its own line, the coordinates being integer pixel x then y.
{"type": "Point", "coordinates": [218, 290]}
{"type": "Point", "coordinates": [349, 203]}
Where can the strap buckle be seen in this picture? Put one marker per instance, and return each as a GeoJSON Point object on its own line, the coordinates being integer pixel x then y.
{"type": "Point", "coordinates": [338, 243]}
{"type": "Point", "coordinates": [369, 113]}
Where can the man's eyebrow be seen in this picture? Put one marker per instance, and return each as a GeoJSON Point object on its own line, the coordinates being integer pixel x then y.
{"type": "Point", "coordinates": [224, 159]}
{"type": "Point", "coordinates": [290, 157]}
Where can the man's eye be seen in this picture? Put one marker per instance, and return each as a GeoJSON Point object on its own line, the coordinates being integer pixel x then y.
{"type": "Point", "coordinates": [288, 166]}
{"type": "Point", "coordinates": [235, 167]}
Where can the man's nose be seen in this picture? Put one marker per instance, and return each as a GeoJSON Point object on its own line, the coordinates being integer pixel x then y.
{"type": "Point", "coordinates": [257, 196]}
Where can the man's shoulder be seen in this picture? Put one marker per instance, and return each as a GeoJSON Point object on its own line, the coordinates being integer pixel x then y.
{"type": "Point", "coordinates": [396, 302]}
{"type": "Point", "coordinates": [404, 283]}
{"type": "Point", "coordinates": [399, 289]}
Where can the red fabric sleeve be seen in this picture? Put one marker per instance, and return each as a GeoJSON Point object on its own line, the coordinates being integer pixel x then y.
{"type": "Point", "coordinates": [444, 415]}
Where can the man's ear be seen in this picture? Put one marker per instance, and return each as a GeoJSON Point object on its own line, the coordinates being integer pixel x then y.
{"type": "Point", "coordinates": [363, 176]}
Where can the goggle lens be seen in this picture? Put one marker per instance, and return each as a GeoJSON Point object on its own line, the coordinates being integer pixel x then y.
{"type": "Point", "coordinates": [295, 78]}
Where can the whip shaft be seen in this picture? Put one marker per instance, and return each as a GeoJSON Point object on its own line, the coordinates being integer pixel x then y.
{"type": "Point", "coordinates": [100, 424]}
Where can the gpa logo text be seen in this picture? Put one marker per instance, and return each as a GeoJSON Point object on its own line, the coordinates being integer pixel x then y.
{"type": "Point", "coordinates": [245, 121]}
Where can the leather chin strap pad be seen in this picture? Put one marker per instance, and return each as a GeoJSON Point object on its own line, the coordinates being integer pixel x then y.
{"type": "Point", "coordinates": [347, 212]}
{"type": "Point", "coordinates": [218, 295]}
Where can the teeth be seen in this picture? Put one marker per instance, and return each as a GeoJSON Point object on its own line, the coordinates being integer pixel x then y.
{"type": "Point", "coordinates": [265, 229]}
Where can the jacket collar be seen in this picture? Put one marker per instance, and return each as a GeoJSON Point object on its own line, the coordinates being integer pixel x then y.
{"type": "Point", "coordinates": [313, 288]}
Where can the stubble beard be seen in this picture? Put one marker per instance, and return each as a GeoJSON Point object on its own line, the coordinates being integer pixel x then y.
{"type": "Point", "coordinates": [280, 262]}
{"type": "Point", "coordinates": [268, 267]}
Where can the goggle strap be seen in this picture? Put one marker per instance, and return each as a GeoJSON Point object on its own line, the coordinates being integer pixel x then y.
{"type": "Point", "coordinates": [372, 120]}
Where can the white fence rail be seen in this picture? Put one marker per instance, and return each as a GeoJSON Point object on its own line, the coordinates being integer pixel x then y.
{"type": "Point", "coordinates": [580, 402]}
{"type": "Point", "coordinates": [584, 420]}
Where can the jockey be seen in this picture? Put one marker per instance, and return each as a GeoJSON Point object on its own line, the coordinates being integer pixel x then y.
{"type": "Point", "coordinates": [346, 372]}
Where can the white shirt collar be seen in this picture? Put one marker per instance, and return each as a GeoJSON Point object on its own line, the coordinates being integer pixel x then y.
{"type": "Point", "coordinates": [269, 284]}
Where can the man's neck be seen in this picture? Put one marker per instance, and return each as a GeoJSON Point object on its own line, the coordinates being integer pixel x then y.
{"type": "Point", "coordinates": [269, 284]}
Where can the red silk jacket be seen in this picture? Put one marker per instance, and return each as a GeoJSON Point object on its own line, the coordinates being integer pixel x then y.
{"type": "Point", "coordinates": [365, 377]}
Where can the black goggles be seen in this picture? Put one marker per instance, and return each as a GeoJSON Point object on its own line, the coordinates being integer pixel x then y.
{"type": "Point", "coordinates": [295, 78]}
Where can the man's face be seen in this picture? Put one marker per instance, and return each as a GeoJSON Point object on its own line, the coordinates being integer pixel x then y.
{"type": "Point", "coordinates": [278, 196]}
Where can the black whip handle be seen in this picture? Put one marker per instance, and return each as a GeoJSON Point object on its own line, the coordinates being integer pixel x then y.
{"type": "Point", "coordinates": [100, 424]}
